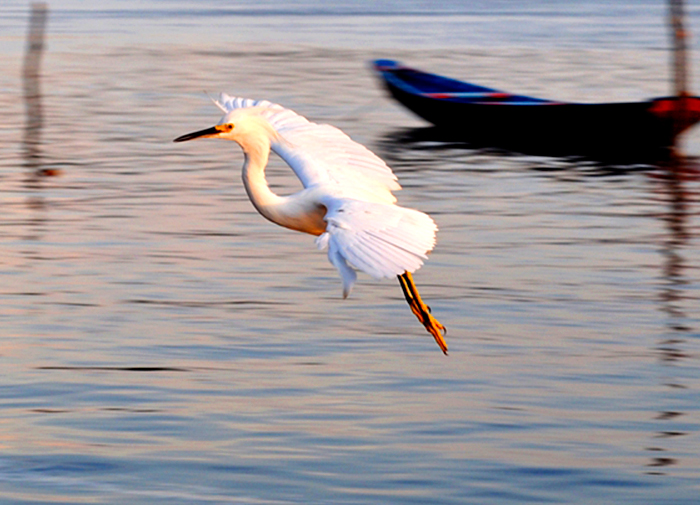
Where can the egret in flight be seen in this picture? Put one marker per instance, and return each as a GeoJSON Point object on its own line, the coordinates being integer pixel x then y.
{"type": "Point", "coordinates": [347, 200]}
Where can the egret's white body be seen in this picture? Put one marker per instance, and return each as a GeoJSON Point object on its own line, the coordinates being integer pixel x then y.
{"type": "Point", "coordinates": [347, 200]}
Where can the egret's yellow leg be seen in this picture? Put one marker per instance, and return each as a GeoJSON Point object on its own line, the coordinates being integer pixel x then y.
{"type": "Point", "coordinates": [421, 310]}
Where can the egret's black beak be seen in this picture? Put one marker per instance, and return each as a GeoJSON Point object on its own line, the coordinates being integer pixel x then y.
{"type": "Point", "coordinates": [208, 132]}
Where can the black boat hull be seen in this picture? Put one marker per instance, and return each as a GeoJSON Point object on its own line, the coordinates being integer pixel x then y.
{"type": "Point", "coordinates": [615, 131]}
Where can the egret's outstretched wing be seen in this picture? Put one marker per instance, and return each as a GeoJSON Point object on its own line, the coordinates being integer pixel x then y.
{"type": "Point", "coordinates": [381, 240]}
{"type": "Point", "coordinates": [321, 154]}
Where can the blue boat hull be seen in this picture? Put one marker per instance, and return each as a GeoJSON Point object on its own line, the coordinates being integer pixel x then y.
{"type": "Point", "coordinates": [484, 117]}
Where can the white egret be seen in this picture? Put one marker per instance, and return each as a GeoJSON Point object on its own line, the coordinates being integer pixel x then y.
{"type": "Point", "coordinates": [347, 200]}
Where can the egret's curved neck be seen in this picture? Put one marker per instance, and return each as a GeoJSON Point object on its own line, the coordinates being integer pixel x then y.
{"type": "Point", "coordinates": [257, 152]}
{"type": "Point", "coordinates": [299, 211]}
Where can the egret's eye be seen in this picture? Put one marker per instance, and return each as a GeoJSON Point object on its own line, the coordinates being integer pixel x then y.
{"type": "Point", "coordinates": [224, 128]}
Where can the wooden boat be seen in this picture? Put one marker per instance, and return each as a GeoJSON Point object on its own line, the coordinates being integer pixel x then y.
{"type": "Point", "coordinates": [485, 117]}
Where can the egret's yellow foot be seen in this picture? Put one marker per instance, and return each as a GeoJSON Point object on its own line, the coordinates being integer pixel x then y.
{"type": "Point", "coordinates": [422, 311]}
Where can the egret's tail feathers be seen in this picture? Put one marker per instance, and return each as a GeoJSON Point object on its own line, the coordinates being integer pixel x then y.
{"type": "Point", "coordinates": [379, 239]}
{"type": "Point", "coordinates": [347, 273]}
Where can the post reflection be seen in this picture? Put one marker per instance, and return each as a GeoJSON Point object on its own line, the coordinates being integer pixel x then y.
{"type": "Point", "coordinates": [670, 348]}
{"type": "Point", "coordinates": [32, 91]}
{"type": "Point", "coordinates": [34, 164]}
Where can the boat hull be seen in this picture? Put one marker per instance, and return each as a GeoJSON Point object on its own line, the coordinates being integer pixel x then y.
{"type": "Point", "coordinates": [633, 130]}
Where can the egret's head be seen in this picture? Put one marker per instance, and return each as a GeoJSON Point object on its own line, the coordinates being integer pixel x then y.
{"type": "Point", "coordinates": [237, 125]}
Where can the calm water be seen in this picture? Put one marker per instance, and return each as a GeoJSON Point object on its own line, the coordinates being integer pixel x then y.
{"type": "Point", "coordinates": [162, 343]}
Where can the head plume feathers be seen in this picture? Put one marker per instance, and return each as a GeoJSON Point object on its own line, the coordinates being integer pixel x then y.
{"type": "Point", "coordinates": [220, 102]}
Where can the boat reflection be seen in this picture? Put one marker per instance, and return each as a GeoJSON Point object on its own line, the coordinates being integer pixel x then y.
{"type": "Point", "coordinates": [436, 138]}
{"type": "Point", "coordinates": [671, 178]}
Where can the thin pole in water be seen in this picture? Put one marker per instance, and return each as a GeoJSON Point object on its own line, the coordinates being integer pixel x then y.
{"type": "Point", "coordinates": [680, 70]}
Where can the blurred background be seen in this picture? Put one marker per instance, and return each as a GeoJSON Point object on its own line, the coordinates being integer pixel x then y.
{"type": "Point", "coordinates": [162, 342]}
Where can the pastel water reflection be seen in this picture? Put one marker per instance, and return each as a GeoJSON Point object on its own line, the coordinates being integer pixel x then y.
{"type": "Point", "coordinates": [161, 342]}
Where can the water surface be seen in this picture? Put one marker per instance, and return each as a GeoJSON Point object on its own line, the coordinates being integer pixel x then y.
{"type": "Point", "coordinates": [162, 342]}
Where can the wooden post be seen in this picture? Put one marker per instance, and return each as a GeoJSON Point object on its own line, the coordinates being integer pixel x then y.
{"type": "Point", "coordinates": [680, 70]}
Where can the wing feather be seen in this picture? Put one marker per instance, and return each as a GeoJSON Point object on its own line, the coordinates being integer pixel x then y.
{"type": "Point", "coordinates": [381, 240]}
{"type": "Point", "coordinates": [364, 230]}
{"type": "Point", "coordinates": [321, 154]}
